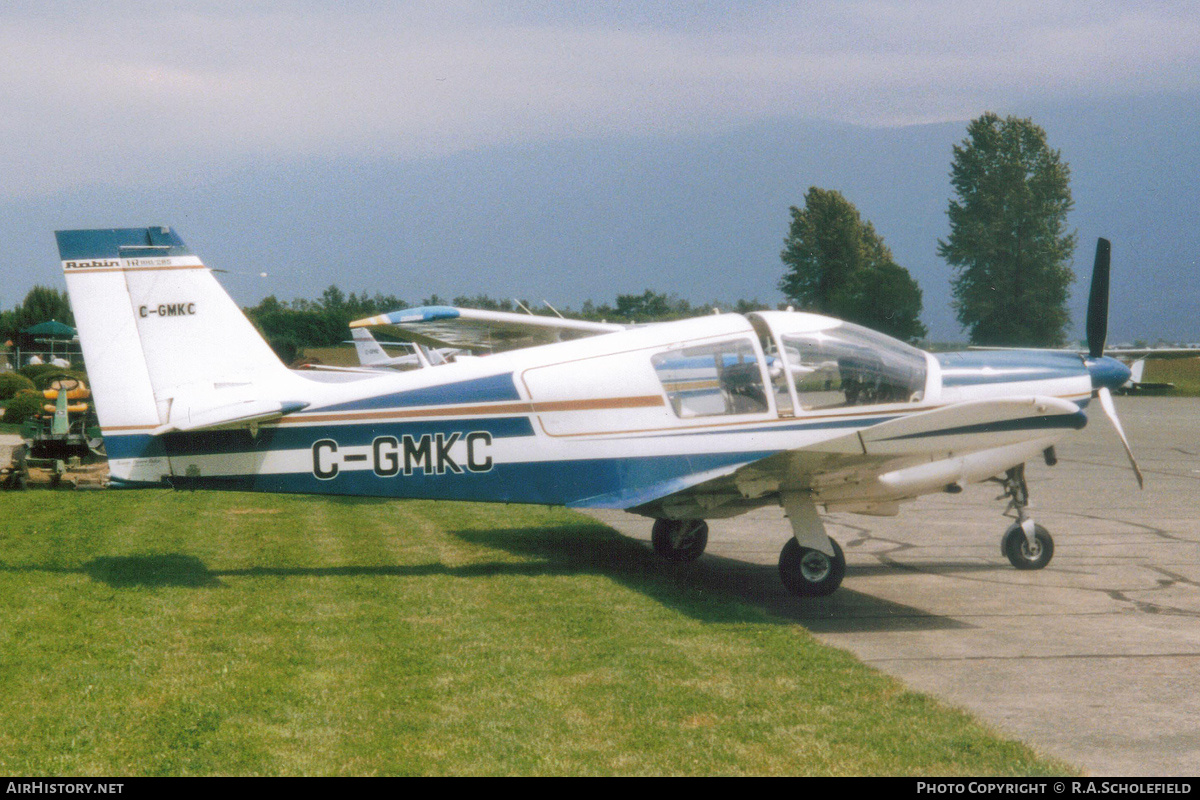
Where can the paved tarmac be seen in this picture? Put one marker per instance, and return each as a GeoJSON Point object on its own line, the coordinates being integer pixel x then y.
{"type": "Point", "coordinates": [1095, 659]}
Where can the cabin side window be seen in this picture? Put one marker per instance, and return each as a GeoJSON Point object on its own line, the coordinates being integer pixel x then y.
{"type": "Point", "coordinates": [712, 379]}
{"type": "Point", "coordinates": [849, 366]}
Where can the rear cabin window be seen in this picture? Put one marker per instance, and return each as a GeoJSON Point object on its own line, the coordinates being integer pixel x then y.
{"type": "Point", "coordinates": [850, 366]}
{"type": "Point", "coordinates": [712, 379]}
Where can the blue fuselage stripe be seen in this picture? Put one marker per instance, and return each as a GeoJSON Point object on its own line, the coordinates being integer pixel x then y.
{"type": "Point", "coordinates": [542, 482]}
{"type": "Point", "coordinates": [298, 437]}
{"type": "Point", "coordinates": [1049, 422]}
{"type": "Point", "coordinates": [493, 389]}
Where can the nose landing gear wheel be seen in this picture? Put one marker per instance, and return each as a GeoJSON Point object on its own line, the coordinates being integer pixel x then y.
{"type": "Point", "coordinates": [679, 540]}
{"type": "Point", "coordinates": [1024, 555]}
{"type": "Point", "coordinates": [811, 573]}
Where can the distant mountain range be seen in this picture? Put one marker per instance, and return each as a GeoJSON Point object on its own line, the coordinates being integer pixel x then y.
{"type": "Point", "coordinates": [701, 217]}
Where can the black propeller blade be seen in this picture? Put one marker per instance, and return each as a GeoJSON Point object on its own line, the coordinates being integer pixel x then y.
{"type": "Point", "coordinates": [1097, 317]}
{"type": "Point", "coordinates": [1097, 333]}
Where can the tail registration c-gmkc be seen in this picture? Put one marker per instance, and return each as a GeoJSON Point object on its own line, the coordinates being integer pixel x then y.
{"type": "Point", "coordinates": [681, 421]}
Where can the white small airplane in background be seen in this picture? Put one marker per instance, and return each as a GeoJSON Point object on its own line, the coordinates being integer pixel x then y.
{"type": "Point", "coordinates": [1136, 358]}
{"type": "Point", "coordinates": [680, 421]}
{"type": "Point", "coordinates": [1136, 384]}
{"type": "Point", "coordinates": [371, 353]}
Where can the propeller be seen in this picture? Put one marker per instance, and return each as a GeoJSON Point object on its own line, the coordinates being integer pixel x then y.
{"type": "Point", "coordinates": [1110, 409]}
{"type": "Point", "coordinates": [1105, 370]}
{"type": "Point", "coordinates": [1097, 316]}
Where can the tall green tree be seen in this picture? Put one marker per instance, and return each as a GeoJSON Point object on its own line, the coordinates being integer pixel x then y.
{"type": "Point", "coordinates": [1008, 240]}
{"type": "Point", "coordinates": [837, 264]}
{"type": "Point", "coordinates": [41, 304]}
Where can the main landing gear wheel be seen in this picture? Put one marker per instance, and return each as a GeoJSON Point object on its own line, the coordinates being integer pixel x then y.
{"type": "Point", "coordinates": [811, 573]}
{"type": "Point", "coordinates": [679, 540]}
{"type": "Point", "coordinates": [1024, 555]}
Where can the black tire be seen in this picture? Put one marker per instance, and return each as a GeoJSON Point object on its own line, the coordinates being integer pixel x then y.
{"type": "Point", "coordinates": [1021, 555]}
{"type": "Point", "coordinates": [679, 540]}
{"type": "Point", "coordinates": [810, 573]}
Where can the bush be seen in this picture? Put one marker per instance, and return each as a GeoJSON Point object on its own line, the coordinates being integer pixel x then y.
{"type": "Point", "coordinates": [34, 371]}
{"type": "Point", "coordinates": [286, 347]}
{"type": "Point", "coordinates": [23, 406]}
{"type": "Point", "coordinates": [13, 382]}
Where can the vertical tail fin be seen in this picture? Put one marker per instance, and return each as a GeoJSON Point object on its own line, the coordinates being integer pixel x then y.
{"type": "Point", "coordinates": [1137, 370]}
{"type": "Point", "coordinates": [369, 352]}
{"type": "Point", "coordinates": [166, 347]}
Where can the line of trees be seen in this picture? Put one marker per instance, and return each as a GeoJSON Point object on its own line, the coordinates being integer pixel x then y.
{"type": "Point", "coordinates": [324, 322]}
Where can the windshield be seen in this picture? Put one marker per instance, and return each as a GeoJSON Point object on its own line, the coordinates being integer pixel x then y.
{"type": "Point", "coordinates": [849, 365]}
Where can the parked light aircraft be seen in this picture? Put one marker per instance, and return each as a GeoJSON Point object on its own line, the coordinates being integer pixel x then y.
{"type": "Point", "coordinates": [1136, 358]}
{"type": "Point", "coordinates": [681, 421]}
{"type": "Point", "coordinates": [1136, 384]}
{"type": "Point", "coordinates": [371, 354]}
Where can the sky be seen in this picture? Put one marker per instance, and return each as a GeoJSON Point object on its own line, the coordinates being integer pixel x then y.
{"type": "Point", "coordinates": [575, 151]}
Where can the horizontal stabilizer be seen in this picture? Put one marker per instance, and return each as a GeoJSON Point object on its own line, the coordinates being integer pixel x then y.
{"type": "Point", "coordinates": [191, 418]}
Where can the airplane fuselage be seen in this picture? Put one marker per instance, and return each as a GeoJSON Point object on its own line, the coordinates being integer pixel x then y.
{"type": "Point", "coordinates": [596, 422]}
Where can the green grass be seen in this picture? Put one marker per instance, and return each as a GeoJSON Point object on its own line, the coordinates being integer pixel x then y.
{"type": "Point", "coordinates": [342, 356]}
{"type": "Point", "coordinates": [1183, 372]}
{"type": "Point", "coordinates": [173, 633]}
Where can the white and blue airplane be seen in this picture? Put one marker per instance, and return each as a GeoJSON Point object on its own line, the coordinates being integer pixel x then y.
{"type": "Point", "coordinates": [681, 421]}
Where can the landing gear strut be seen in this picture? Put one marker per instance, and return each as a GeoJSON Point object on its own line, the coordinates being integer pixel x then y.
{"type": "Point", "coordinates": [810, 564]}
{"type": "Point", "coordinates": [1026, 544]}
{"type": "Point", "coordinates": [679, 540]}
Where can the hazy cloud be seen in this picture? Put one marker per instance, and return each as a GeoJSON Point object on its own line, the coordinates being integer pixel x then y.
{"type": "Point", "coordinates": [135, 93]}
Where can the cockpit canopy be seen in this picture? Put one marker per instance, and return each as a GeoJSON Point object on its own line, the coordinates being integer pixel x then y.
{"type": "Point", "coordinates": [830, 363]}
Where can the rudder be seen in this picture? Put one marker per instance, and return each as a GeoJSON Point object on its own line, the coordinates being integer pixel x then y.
{"type": "Point", "coordinates": [163, 342]}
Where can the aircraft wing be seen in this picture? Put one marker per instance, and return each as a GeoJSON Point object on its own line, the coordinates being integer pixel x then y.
{"type": "Point", "coordinates": [1116, 352]}
{"type": "Point", "coordinates": [481, 331]}
{"type": "Point", "coordinates": [886, 460]}
{"type": "Point", "coordinates": [1153, 352]}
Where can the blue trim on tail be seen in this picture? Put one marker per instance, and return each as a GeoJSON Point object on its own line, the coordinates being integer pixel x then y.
{"type": "Point", "coordinates": [120, 243]}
